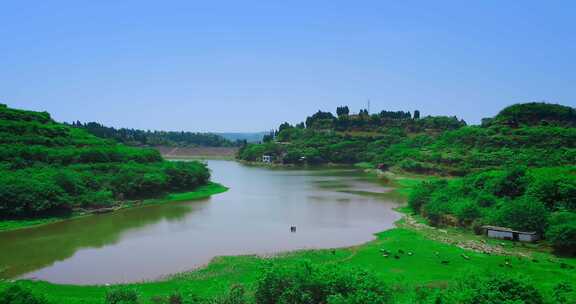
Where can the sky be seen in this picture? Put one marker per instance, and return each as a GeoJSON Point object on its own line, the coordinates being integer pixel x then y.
{"type": "Point", "coordinates": [250, 65]}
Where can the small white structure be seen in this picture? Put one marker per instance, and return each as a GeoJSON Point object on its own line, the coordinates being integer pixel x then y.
{"type": "Point", "coordinates": [509, 234]}
{"type": "Point", "coordinates": [266, 158]}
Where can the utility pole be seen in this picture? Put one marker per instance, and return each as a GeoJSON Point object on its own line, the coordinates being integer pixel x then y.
{"type": "Point", "coordinates": [368, 106]}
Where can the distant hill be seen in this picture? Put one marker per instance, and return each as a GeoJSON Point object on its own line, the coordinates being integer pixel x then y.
{"type": "Point", "coordinates": [531, 134]}
{"type": "Point", "coordinates": [135, 137]}
{"type": "Point", "coordinates": [251, 137]}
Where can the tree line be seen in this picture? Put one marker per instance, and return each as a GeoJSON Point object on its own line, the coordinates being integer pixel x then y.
{"type": "Point", "coordinates": [156, 138]}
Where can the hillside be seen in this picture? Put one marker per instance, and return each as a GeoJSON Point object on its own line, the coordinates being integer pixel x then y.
{"type": "Point", "coordinates": [431, 145]}
{"type": "Point", "coordinates": [48, 168]}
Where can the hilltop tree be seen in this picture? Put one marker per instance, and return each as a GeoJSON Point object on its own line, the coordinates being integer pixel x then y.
{"type": "Point", "coordinates": [342, 111]}
{"type": "Point", "coordinates": [537, 113]}
{"type": "Point", "coordinates": [416, 114]}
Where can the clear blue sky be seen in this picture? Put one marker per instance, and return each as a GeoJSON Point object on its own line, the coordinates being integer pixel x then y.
{"type": "Point", "coordinates": [250, 65]}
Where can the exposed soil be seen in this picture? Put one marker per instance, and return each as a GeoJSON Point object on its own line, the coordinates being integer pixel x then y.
{"type": "Point", "coordinates": [198, 152]}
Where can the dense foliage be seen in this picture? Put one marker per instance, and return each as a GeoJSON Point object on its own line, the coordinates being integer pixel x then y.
{"type": "Point", "coordinates": [17, 294]}
{"type": "Point", "coordinates": [491, 289]}
{"type": "Point", "coordinates": [541, 200]}
{"type": "Point", "coordinates": [156, 138]}
{"type": "Point", "coordinates": [47, 167]}
{"type": "Point", "coordinates": [346, 138]}
{"type": "Point", "coordinates": [311, 284]}
{"type": "Point", "coordinates": [536, 113]}
{"type": "Point", "coordinates": [429, 145]}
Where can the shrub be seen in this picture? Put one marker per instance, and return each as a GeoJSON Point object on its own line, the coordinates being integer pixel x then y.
{"type": "Point", "coordinates": [121, 296]}
{"type": "Point", "coordinates": [523, 214]}
{"type": "Point", "coordinates": [493, 289]}
{"type": "Point", "coordinates": [467, 211]}
{"type": "Point", "coordinates": [422, 193]}
{"type": "Point", "coordinates": [562, 232]}
{"type": "Point", "coordinates": [17, 294]}
{"type": "Point", "coordinates": [309, 284]}
{"type": "Point", "coordinates": [236, 295]}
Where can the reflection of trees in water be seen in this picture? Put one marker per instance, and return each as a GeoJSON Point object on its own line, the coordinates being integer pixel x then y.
{"type": "Point", "coordinates": [31, 249]}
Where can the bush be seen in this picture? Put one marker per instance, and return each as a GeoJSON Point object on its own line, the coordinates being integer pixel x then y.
{"type": "Point", "coordinates": [422, 193]}
{"type": "Point", "coordinates": [493, 289]}
{"type": "Point", "coordinates": [236, 295]}
{"type": "Point", "coordinates": [309, 284]}
{"type": "Point", "coordinates": [467, 211]}
{"type": "Point", "coordinates": [562, 232]}
{"type": "Point", "coordinates": [17, 294]}
{"type": "Point", "coordinates": [523, 214]}
{"type": "Point", "coordinates": [121, 296]}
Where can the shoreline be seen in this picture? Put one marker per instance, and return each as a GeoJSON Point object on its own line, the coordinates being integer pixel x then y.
{"type": "Point", "coordinates": [408, 234]}
{"type": "Point", "coordinates": [199, 193]}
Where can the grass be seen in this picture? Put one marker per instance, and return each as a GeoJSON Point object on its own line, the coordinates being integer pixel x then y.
{"type": "Point", "coordinates": [422, 267]}
{"type": "Point", "coordinates": [364, 165]}
{"type": "Point", "coordinates": [198, 193]}
{"type": "Point", "coordinates": [19, 224]}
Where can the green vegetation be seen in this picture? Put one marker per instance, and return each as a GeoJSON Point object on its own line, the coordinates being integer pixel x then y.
{"type": "Point", "coordinates": [518, 171]}
{"type": "Point", "coordinates": [429, 145]}
{"type": "Point", "coordinates": [135, 137]}
{"type": "Point", "coordinates": [16, 294]}
{"type": "Point", "coordinates": [198, 193]}
{"type": "Point", "coordinates": [541, 200]}
{"type": "Point", "coordinates": [536, 113]}
{"type": "Point", "coordinates": [48, 169]}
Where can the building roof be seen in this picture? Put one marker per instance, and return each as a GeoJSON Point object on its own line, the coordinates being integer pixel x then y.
{"type": "Point", "coordinates": [504, 229]}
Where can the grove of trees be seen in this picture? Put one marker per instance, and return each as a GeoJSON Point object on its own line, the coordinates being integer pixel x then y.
{"type": "Point", "coordinates": [156, 138]}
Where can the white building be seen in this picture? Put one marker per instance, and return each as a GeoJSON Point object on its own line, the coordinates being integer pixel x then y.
{"type": "Point", "coordinates": [509, 234]}
{"type": "Point", "coordinates": [266, 158]}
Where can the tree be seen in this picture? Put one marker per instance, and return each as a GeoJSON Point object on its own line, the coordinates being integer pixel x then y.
{"type": "Point", "coordinates": [16, 294]}
{"type": "Point", "coordinates": [524, 214]}
{"type": "Point", "coordinates": [342, 111]}
{"type": "Point", "coordinates": [416, 114]}
{"type": "Point", "coordinates": [562, 232]}
{"type": "Point", "coordinates": [306, 283]}
{"type": "Point", "coordinates": [493, 288]}
{"type": "Point", "coordinates": [121, 296]}
{"type": "Point", "coordinates": [268, 137]}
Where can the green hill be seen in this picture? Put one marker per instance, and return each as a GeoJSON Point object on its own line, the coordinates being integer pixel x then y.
{"type": "Point", "coordinates": [537, 113]}
{"type": "Point", "coordinates": [542, 135]}
{"type": "Point", "coordinates": [48, 168]}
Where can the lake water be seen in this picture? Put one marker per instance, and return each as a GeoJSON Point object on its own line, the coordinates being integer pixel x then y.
{"type": "Point", "coordinates": [333, 207]}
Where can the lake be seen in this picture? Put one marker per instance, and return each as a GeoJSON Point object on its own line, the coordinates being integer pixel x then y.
{"type": "Point", "coordinates": [330, 207]}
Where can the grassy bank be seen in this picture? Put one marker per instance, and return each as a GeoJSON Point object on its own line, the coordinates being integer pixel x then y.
{"type": "Point", "coordinates": [200, 192]}
{"type": "Point", "coordinates": [421, 264]}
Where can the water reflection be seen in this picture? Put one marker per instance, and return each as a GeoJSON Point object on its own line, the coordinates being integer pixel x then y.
{"type": "Point", "coordinates": [330, 207]}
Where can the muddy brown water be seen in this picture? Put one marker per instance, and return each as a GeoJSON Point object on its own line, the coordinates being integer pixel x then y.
{"type": "Point", "coordinates": [330, 207]}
